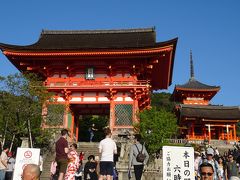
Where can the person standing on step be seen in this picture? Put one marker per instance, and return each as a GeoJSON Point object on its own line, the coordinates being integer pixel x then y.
{"type": "Point", "coordinates": [73, 162]}
{"type": "Point", "coordinates": [232, 171]}
{"type": "Point", "coordinates": [133, 161]}
{"type": "Point", "coordinates": [61, 154]}
{"type": "Point", "coordinates": [91, 131]}
{"type": "Point", "coordinates": [107, 148]}
{"type": "Point", "coordinates": [213, 162]}
{"type": "Point", "coordinates": [3, 162]}
{"type": "Point", "coordinates": [11, 164]}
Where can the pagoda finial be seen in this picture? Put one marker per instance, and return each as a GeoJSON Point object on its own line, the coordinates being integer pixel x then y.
{"type": "Point", "coordinates": [191, 66]}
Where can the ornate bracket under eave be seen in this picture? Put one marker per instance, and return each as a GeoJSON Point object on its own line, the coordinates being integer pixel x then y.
{"type": "Point", "coordinates": [111, 93]}
{"type": "Point", "coordinates": [66, 95]}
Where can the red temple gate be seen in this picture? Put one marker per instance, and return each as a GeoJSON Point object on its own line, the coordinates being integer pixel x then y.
{"type": "Point", "coordinates": [99, 71]}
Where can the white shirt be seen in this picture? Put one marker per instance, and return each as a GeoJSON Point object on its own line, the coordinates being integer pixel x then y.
{"type": "Point", "coordinates": [107, 148]}
{"type": "Point", "coordinates": [11, 163]}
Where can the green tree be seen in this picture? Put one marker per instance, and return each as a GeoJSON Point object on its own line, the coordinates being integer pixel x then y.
{"type": "Point", "coordinates": [162, 101]}
{"type": "Point", "coordinates": [155, 127]}
{"type": "Point", "coordinates": [21, 101]}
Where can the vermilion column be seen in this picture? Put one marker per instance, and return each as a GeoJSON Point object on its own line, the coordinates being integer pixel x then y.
{"type": "Point", "coordinates": [193, 133]}
{"type": "Point", "coordinates": [204, 131]}
{"type": "Point", "coordinates": [234, 132]}
{"type": "Point", "coordinates": [77, 130]}
{"type": "Point", "coordinates": [112, 115]}
{"type": "Point", "coordinates": [72, 127]}
{"type": "Point", "coordinates": [227, 133]}
{"type": "Point", "coordinates": [209, 132]}
{"type": "Point", "coordinates": [135, 109]}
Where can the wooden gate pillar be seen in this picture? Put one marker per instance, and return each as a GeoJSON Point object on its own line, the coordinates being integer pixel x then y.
{"type": "Point", "coordinates": [112, 115]}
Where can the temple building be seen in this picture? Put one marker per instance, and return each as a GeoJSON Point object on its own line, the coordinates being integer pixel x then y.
{"type": "Point", "coordinates": [110, 72]}
{"type": "Point", "coordinates": [197, 118]}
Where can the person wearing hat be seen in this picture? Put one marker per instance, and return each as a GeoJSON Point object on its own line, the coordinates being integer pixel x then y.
{"type": "Point", "coordinates": [209, 159]}
{"type": "Point", "coordinates": [61, 154]}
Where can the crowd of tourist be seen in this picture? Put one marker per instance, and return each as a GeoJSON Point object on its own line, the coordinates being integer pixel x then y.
{"type": "Point", "coordinates": [7, 166]}
{"type": "Point", "coordinates": [69, 164]}
{"type": "Point", "coordinates": [211, 165]}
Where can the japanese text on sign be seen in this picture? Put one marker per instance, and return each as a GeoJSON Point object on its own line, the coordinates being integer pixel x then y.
{"type": "Point", "coordinates": [178, 163]}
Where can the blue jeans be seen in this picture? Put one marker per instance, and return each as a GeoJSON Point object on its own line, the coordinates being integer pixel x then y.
{"type": "Point", "coordinates": [91, 136]}
{"type": "Point", "coordinates": [2, 174]}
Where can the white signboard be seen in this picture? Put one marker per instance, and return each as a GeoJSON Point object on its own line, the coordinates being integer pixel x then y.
{"type": "Point", "coordinates": [25, 156]}
{"type": "Point", "coordinates": [178, 163]}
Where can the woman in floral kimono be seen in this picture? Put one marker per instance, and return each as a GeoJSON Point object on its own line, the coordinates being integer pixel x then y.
{"type": "Point", "coordinates": [73, 162]}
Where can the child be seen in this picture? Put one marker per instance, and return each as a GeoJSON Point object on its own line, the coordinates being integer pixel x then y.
{"type": "Point", "coordinates": [90, 169]}
{"type": "Point", "coordinates": [79, 173]}
{"type": "Point", "coordinates": [53, 170]}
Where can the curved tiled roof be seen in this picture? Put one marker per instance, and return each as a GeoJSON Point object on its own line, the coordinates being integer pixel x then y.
{"type": "Point", "coordinates": [91, 39]}
{"type": "Point", "coordinates": [193, 84]}
{"type": "Point", "coordinates": [210, 111]}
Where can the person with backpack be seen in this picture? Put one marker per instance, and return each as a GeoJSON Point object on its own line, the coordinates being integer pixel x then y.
{"type": "Point", "coordinates": [209, 159]}
{"type": "Point", "coordinates": [232, 166]}
{"type": "Point", "coordinates": [138, 157]}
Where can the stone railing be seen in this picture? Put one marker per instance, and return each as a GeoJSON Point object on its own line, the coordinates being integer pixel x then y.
{"type": "Point", "coordinates": [202, 142]}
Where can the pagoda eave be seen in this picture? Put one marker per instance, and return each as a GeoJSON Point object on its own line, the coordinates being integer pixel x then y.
{"type": "Point", "coordinates": [198, 90]}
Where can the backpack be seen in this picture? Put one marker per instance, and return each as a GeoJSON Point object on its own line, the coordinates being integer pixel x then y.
{"type": "Point", "coordinates": [140, 156]}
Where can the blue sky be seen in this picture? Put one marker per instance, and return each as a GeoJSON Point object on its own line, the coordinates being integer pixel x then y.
{"type": "Point", "coordinates": [210, 28]}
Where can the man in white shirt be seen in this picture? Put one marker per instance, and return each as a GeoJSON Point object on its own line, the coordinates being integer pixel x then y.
{"type": "Point", "coordinates": [3, 162]}
{"type": "Point", "coordinates": [107, 149]}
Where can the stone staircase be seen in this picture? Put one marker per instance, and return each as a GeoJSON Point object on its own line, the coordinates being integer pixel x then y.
{"type": "Point", "coordinates": [122, 164]}
{"type": "Point", "coordinates": [153, 170]}
{"type": "Point", "coordinates": [86, 147]}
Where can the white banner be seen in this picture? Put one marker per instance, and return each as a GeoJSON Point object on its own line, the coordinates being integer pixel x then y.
{"type": "Point", "coordinates": [25, 156]}
{"type": "Point", "coordinates": [178, 163]}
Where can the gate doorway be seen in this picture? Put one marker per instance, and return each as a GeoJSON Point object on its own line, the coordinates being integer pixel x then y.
{"type": "Point", "coordinates": [87, 114]}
